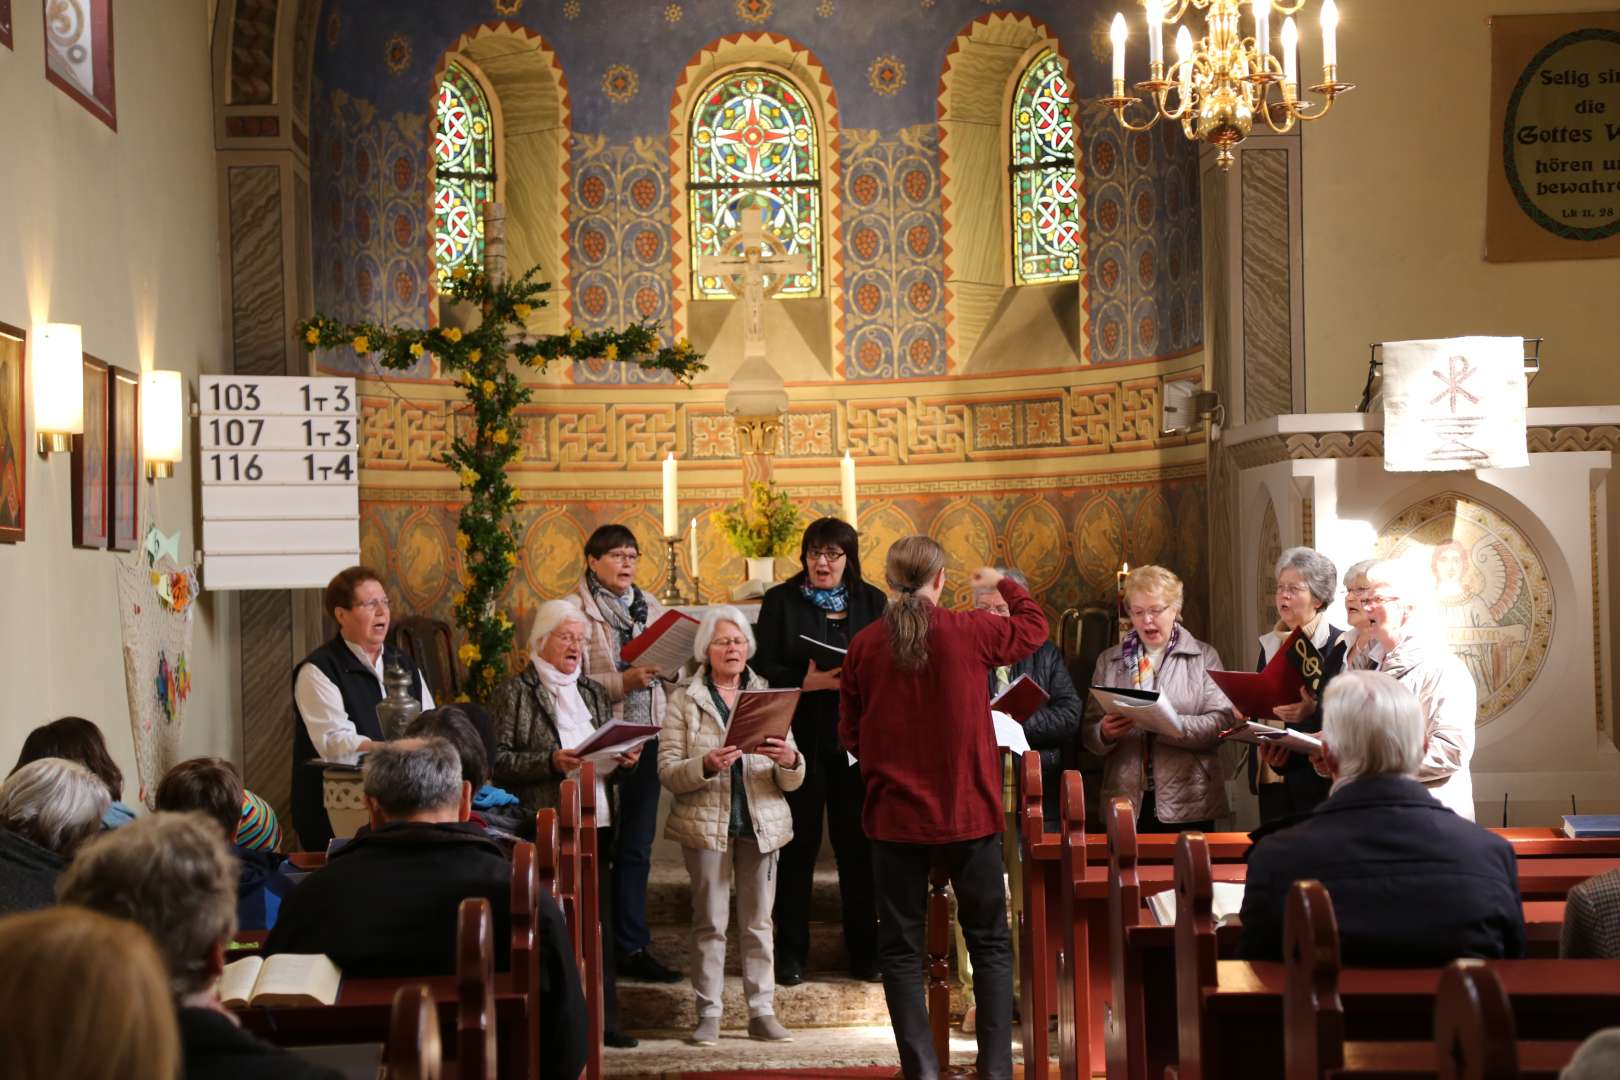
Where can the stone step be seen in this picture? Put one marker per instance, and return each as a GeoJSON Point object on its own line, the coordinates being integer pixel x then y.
{"type": "Point", "coordinates": [671, 943]}
{"type": "Point", "coordinates": [669, 894]}
{"type": "Point", "coordinates": [816, 1003]}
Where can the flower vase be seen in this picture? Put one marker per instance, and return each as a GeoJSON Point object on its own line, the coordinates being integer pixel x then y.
{"type": "Point", "coordinates": [762, 570]}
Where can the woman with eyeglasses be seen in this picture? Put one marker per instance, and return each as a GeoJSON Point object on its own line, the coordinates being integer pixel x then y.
{"type": "Point", "coordinates": [1286, 783]}
{"type": "Point", "coordinates": [541, 714]}
{"type": "Point", "coordinates": [616, 610]}
{"type": "Point", "coordinates": [728, 813]}
{"type": "Point", "coordinates": [1356, 639]}
{"type": "Point", "coordinates": [827, 601]}
{"type": "Point", "coordinates": [1175, 783]}
{"type": "Point", "coordinates": [336, 690]}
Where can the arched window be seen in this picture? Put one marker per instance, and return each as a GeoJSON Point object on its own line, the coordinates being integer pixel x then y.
{"type": "Point", "coordinates": [464, 170]}
{"type": "Point", "coordinates": [1045, 206]}
{"type": "Point", "coordinates": [754, 137]}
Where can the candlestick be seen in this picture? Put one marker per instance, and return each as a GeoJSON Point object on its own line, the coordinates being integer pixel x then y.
{"type": "Point", "coordinates": [672, 518]}
{"type": "Point", "coordinates": [846, 484]}
{"type": "Point", "coordinates": [671, 596]}
{"type": "Point", "coordinates": [1116, 33]}
{"type": "Point", "coordinates": [1330, 36]}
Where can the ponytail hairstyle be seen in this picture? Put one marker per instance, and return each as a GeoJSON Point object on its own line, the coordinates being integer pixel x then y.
{"type": "Point", "coordinates": [913, 563]}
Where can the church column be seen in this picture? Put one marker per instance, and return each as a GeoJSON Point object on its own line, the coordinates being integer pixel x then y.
{"type": "Point", "coordinates": [262, 52]}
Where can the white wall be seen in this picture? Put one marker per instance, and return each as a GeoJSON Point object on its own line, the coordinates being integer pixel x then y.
{"type": "Point", "coordinates": [117, 231]}
{"type": "Point", "coordinates": [1395, 209]}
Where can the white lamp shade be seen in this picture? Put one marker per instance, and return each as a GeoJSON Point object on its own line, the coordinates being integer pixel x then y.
{"type": "Point", "coordinates": [162, 416]}
{"type": "Point", "coordinates": [59, 379]}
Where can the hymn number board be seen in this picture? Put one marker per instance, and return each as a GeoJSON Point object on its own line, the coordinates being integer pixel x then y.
{"type": "Point", "coordinates": [280, 480]}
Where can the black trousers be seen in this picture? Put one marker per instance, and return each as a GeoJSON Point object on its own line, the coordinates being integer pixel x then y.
{"type": "Point", "coordinates": [1147, 820]}
{"type": "Point", "coordinates": [975, 869]}
{"type": "Point", "coordinates": [604, 914]}
{"type": "Point", "coordinates": [832, 786]}
{"type": "Point", "coordinates": [1297, 793]}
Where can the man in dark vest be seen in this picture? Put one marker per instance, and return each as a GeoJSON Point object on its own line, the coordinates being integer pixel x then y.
{"type": "Point", "coordinates": [336, 690]}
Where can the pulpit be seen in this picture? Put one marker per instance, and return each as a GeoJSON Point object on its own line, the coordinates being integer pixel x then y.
{"type": "Point", "coordinates": [1523, 563]}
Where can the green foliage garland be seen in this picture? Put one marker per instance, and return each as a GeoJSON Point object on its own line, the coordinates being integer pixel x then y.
{"type": "Point", "coordinates": [495, 392]}
{"type": "Point", "coordinates": [762, 527]}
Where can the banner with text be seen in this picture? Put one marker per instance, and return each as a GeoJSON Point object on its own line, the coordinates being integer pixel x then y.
{"type": "Point", "coordinates": [1554, 179]}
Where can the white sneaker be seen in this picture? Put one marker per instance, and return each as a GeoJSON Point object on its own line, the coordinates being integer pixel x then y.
{"type": "Point", "coordinates": [707, 1033]}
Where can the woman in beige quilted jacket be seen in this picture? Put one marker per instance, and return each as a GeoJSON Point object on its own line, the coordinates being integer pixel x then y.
{"type": "Point", "coordinates": [728, 806]}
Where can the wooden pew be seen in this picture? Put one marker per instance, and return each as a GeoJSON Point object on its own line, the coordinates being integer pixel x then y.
{"type": "Point", "coordinates": [1037, 972]}
{"type": "Point", "coordinates": [590, 908]}
{"type": "Point", "coordinates": [938, 967]}
{"type": "Point", "coordinates": [568, 833]}
{"type": "Point", "coordinates": [547, 851]}
{"type": "Point", "coordinates": [1074, 956]}
{"type": "Point", "coordinates": [525, 963]}
{"type": "Point", "coordinates": [413, 1048]}
{"type": "Point", "coordinates": [475, 992]}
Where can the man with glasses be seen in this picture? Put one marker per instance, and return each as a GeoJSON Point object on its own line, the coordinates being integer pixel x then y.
{"type": "Point", "coordinates": [336, 690]}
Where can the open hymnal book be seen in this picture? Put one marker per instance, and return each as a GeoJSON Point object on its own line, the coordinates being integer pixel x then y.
{"type": "Point", "coordinates": [1226, 904]}
{"type": "Point", "coordinates": [1146, 708]}
{"type": "Point", "coordinates": [614, 738]}
{"type": "Point", "coordinates": [282, 979]}
{"type": "Point", "coordinates": [665, 645]}
{"type": "Point", "coordinates": [1258, 734]}
{"type": "Point", "coordinates": [759, 715]}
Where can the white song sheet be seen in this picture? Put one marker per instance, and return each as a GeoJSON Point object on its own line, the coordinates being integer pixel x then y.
{"type": "Point", "coordinates": [1453, 404]}
{"type": "Point", "coordinates": [1147, 709]}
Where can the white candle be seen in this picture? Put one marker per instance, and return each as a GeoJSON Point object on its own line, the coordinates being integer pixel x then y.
{"type": "Point", "coordinates": [1330, 34]}
{"type": "Point", "coordinates": [1184, 54]}
{"type": "Point", "coordinates": [1290, 44]}
{"type": "Point", "coordinates": [1117, 33]}
{"type": "Point", "coordinates": [694, 548]}
{"type": "Point", "coordinates": [672, 517]}
{"type": "Point", "coordinates": [1155, 23]}
{"type": "Point", "coordinates": [846, 483]}
{"type": "Point", "coordinates": [1262, 28]}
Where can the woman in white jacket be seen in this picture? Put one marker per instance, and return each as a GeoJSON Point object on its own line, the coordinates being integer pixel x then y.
{"type": "Point", "coordinates": [727, 805]}
{"type": "Point", "coordinates": [1408, 646]}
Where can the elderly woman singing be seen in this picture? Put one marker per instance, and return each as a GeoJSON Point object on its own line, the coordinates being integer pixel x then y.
{"type": "Point", "coordinates": [728, 808]}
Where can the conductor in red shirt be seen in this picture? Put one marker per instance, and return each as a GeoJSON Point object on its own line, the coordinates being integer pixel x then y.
{"type": "Point", "coordinates": [915, 711]}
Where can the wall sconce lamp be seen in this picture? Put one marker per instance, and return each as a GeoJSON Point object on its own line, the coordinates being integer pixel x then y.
{"type": "Point", "coordinates": [162, 422]}
{"type": "Point", "coordinates": [58, 386]}
{"type": "Point", "coordinates": [1186, 405]}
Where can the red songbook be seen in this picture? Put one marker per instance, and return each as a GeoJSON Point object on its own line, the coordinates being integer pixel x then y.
{"type": "Point", "coordinates": [1021, 700]}
{"type": "Point", "coordinates": [1258, 693]}
{"type": "Point", "coordinates": [665, 645]}
{"type": "Point", "coordinates": [760, 715]}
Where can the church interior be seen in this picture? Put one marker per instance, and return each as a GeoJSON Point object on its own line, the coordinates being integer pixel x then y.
{"type": "Point", "coordinates": [1043, 339]}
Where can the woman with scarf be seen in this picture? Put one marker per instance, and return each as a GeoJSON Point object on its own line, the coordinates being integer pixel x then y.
{"type": "Point", "coordinates": [541, 713]}
{"type": "Point", "coordinates": [616, 610]}
{"type": "Point", "coordinates": [829, 602]}
{"type": "Point", "coordinates": [1174, 782]}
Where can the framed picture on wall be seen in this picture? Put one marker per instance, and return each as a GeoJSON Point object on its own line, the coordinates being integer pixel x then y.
{"type": "Point", "coordinates": [13, 434]}
{"type": "Point", "coordinates": [90, 503]}
{"type": "Point", "coordinates": [123, 459]}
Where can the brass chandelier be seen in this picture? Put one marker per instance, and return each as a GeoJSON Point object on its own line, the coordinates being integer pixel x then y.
{"type": "Point", "coordinates": [1224, 80]}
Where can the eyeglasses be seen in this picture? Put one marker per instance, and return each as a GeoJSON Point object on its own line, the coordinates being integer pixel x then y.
{"type": "Point", "coordinates": [1380, 599]}
{"type": "Point", "coordinates": [568, 639]}
{"type": "Point", "coordinates": [623, 555]}
{"type": "Point", "coordinates": [728, 642]}
{"type": "Point", "coordinates": [829, 555]}
{"type": "Point", "coordinates": [1292, 590]}
{"type": "Point", "coordinates": [379, 603]}
{"type": "Point", "coordinates": [1154, 613]}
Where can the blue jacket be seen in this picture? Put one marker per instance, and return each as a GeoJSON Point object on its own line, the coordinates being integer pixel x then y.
{"type": "Point", "coordinates": [1413, 884]}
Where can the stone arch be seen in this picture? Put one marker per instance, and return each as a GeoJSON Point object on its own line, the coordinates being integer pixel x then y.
{"type": "Point", "coordinates": [815, 326]}
{"type": "Point", "coordinates": [528, 95]}
{"type": "Point", "coordinates": [990, 323]}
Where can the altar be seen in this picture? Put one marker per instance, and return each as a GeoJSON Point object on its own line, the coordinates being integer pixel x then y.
{"type": "Point", "coordinates": [1523, 566]}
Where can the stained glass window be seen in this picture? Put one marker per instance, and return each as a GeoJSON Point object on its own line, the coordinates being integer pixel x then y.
{"type": "Point", "coordinates": [1045, 192]}
{"type": "Point", "coordinates": [464, 170]}
{"type": "Point", "coordinates": [753, 141]}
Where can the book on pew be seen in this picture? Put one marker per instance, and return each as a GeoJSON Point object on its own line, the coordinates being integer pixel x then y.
{"type": "Point", "coordinates": [1294, 667]}
{"type": "Point", "coordinates": [1227, 903]}
{"type": "Point", "coordinates": [282, 979]}
{"type": "Point", "coordinates": [759, 715]}
{"type": "Point", "coordinates": [614, 738]}
{"type": "Point", "coordinates": [1585, 826]}
{"type": "Point", "coordinates": [827, 657]}
{"type": "Point", "coordinates": [1145, 708]}
{"type": "Point", "coordinates": [665, 645]}
{"type": "Point", "coordinates": [1257, 734]}
{"type": "Point", "coordinates": [1021, 700]}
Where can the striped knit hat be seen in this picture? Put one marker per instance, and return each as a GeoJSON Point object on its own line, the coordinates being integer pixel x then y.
{"type": "Point", "coordinates": [258, 828]}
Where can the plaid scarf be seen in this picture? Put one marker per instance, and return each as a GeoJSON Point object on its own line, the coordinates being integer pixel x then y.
{"type": "Point", "coordinates": [833, 599]}
{"type": "Point", "coordinates": [628, 617]}
{"type": "Point", "coordinates": [1135, 658]}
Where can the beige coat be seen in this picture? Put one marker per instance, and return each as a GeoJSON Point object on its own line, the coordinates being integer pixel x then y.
{"type": "Point", "coordinates": [1448, 700]}
{"type": "Point", "coordinates": [700, 815]}
{"type": "Point", "coordinates": [1187, 780]}
{"type": "Point", "coordinates": [600, 650]}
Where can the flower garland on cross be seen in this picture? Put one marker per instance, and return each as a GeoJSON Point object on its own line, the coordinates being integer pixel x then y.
{"type": "Point", "coordinates": [494, 392]}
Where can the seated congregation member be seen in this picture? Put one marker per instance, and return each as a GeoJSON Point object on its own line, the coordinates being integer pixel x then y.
{"type": "Point", "coordinates": [1408, 644]}
{"type": "Point", "coordinates": [83, 996]}
{"type": "Point", "coordinates": [728, 809]}
{"type": "Point", "coordinates": [385, 903]}
{"type": "Point", "coordinates": [497, 806]}
{"type": "Point", "coordinates": [1592, 919]}
{"type": "Point", "coordinates": [1598, 1058]}
{"type": "Point", "coordinates": [259, 829]}
{"type": "Point", "coordinates": [454, 725]}
{"type": "Point", "coordinates": [336, 690]}
{"type": "Point", "coordinates": [172, 875]}
{"type": "Point", "coordinates": [1175, 783]}
{"type": "Point", "coordinates": [48, 808]}
{"type": "Point", "coordinates": [1413, 885]}
{"type": "Point", "coordinates": [540, 713]}
{"type": "Point", "coordinates": [213, 787]}
{"type": "Point", "coordinates": [827, 600]}
{"type": "Point", "coordinates": [915, 711]}
{"type": "Point", "coordinates": [1306, 583]}
{"type": "Point", "coordinates": [616, 610]}
{"type": "Point", "coordinates": [77, 739]}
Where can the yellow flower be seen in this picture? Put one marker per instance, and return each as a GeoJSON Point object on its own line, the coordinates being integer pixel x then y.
{"type": "Point", "coordinates": [468, 478]}
{"type": "Point", "coordinates": [514, 498]}
{"type": "Point", "coordinates": [475, 356]}
{"type": "Point", "coordinates": [466, 580]}
{"type": "Point", "coordinates": [463, 698]}
{"type": "Point", "coordinates": [468, 379]}
{"type": "Point", "coordinates": [517, 455]}
{"type": "Point", "coordinates": [463, 542]}
{"type": "Point", "coordinates": [611, 352]}
{"type": "Point", "coordinates": [459, 273]}
{"type": "Point", "coordinates": [522, 310]}
{"type": "Point", "coordinates": [511, 558]}
{"type": "Point", "coordinates": [501, 437]}
{"type": "Point", "coordinates": [362, 344]}
{"type": "Point", "coordinates": [575, 336]}
{"type": "Point", "coordinates": [458, 599]}
{"type": "Point", "coordinates": [452, 335]}
{"type": "Point", "coordinates": [416, 348]}
{"type": "Point", "coordinates": [683, 345]}
{"type": "Point", "coordinates": [312, 335]}
{"type": "Point", "coordinates": [469, 653]}
{"type": "Point", "coordinates": [506, 624]}
{"type": "Point", "coordinates": [489, 386]}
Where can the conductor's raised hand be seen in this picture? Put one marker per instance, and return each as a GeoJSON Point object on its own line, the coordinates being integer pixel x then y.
{"type": "Point", "coordinates": [816, 679]}
{"type": "Point", "coordinates": [985, 577]}
{"type": "Point", "coordinates": [719, 759]}
{"type": "Point", "coordinates": [1115, 727]}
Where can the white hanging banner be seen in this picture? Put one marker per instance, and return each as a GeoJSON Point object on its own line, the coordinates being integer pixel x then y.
{"type": "Point", "coordinates": [1454, 403]}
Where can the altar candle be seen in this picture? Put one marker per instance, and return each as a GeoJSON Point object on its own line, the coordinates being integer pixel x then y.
{"type": "Point", "coordinates": [1330, 34]}
{"type": "Point", "coordinates": [846, 478]}
{"type": "Point", "coordinates": [672, 517]}
{"type": "Point", "coordinates": [1117, 33]}
{"type": "Point", "coordinates": [1155, 24]}
{"type": "Point", "coordinates": [694, 548]}
{"type": "Point", "coordinates": [1290, 45]}
{"type": "Point", "coordinates": [1120, 575]}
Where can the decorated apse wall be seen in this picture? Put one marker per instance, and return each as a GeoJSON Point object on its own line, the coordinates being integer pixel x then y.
{"type": "Point", "coordinates": [1019, 425]}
